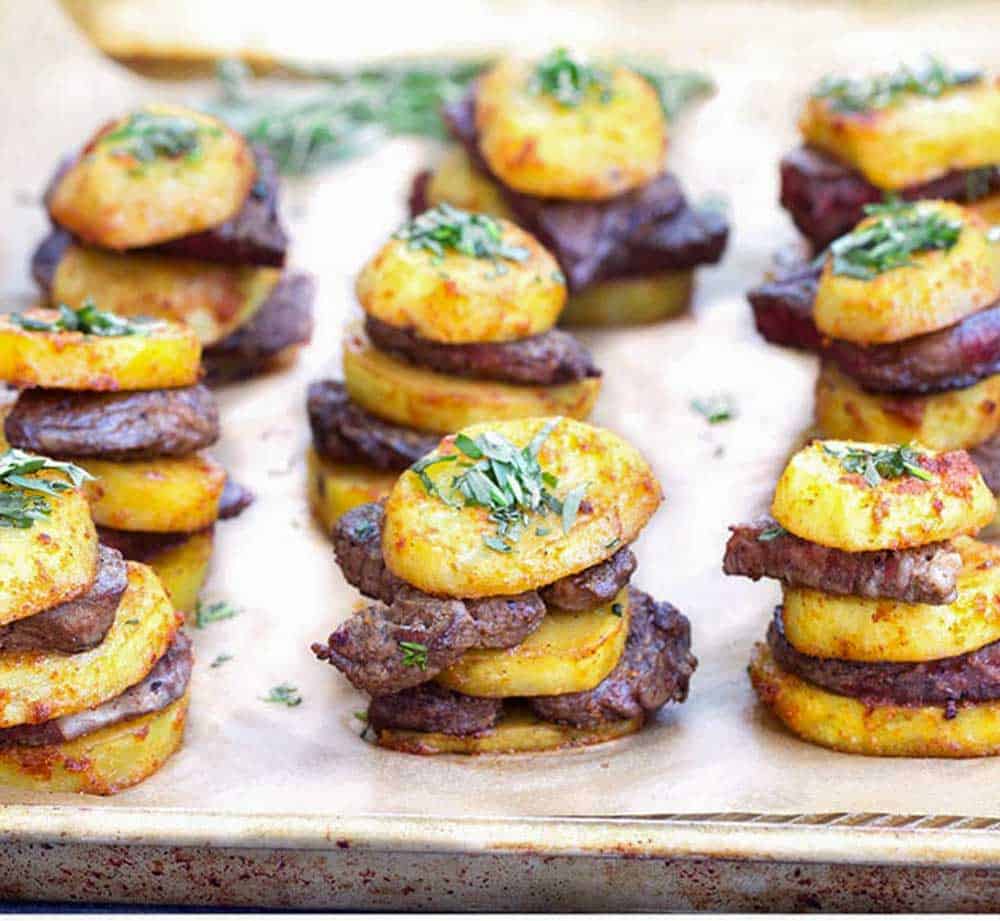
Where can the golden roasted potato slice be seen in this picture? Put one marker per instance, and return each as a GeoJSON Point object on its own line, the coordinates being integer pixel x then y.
{"type": "Point", "coordinates": [212, 298]}
{"type": "Point", "coordinates": [518, 730]}
{"type": "Point", "coordinates": [569, 652]}
{"type": "Point", "coordinates": [630, 301]}
{"type": "Point", "coordinates": [881, 630]}
{"type": "Point", "coordinates": [457, 182]}
{"type": "Point", "coordinates": [612, 141]}
{"type": "Point", "coordinates": [987, 208]}
{"type": "Point", "coordinates": [848, 725]}
{"type": "Point", "coordinates": [406, 394]}
{"type": "Point", "coordinates": [154, 175]}
{"type": "Point", "coordinates": [40, 686]}
{"type": "Point", "coordinates": [102, 762]}
{"type": "Point", "coordinates": [443, 548]}
{"type": "Point", "coordinates": [53, 561]}
{"type": "Point", "coordinates": [163, 495]}
{"type": "Point", "coordinates": [183, 567]}
{"type": "Point", "coordinates": [916, 140]}
{"type": "Point", "coordinates": [936, 290]}
{"type": "Point", "coordinates": [164, 355]}
{"type": "Point", "coordinates": [946, 421]}
{"type": "Point", "coordinates": [819, 499]}
{"type": "Point", "coordinates": [452, 297]}
{"type": "Point", "coordinates": [334, 489]}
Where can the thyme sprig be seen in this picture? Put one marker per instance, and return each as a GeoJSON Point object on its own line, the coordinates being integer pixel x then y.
{"type": "Point", "coordinates": [878, 464]}
{"type": "Point", "coordinates": [569, 78]}
{"type": "Point", "coordinates": [26, 498]}
{"type": "Point", "coordinates": [86, 319]}
{"type": "Point", "coordinates": [446, 227]}
{"type": "Point", "coordinates": [145, 136]}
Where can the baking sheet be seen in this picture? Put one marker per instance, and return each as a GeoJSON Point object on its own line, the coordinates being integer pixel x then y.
{"type": "Point", "coordinates": [245, 759]}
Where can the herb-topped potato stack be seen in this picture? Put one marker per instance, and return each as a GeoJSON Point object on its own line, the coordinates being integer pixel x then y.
{"type": "Point", "coordinates": [459, 309]}
{"type": "Point", "coordinates": [503, 619]}
{"type": "Point", "coordinates": [168, 212]}
{"type": "Point", "coordinates": [93, 666]}
{"type": "Point", "coordinates": [887, 641]}
{"type": "Point", "coordinates": [574, 153]}
{"type": "Point", "coordinates": [925, 131]}
{"type": "Point", "coordinates": [121, 398]}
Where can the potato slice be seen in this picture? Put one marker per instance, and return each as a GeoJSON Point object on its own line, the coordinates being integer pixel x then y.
{"type": "Point", "coordinates": [455, 298]}
{"type": "Point", "coordinates": [167, 355]}
{"type": "Point", "coordinates": [569, 652]}
{"type": "Point", "coordinates": [212, 298]}
{"type": "Point", "coordinates": [163, 495]}
{"type": "Point", "coordinates": [457, 182]}
{"type": "Point", "coordinates": [987, 208]}
{"type": "Point", "coordinates": [406, 394]}
{"type": "Point", "coordinates": [113, 198]}
{"type": "Point", "coordinates": [440, 548]}
{"type": "Point", "coordinates": [334, 489]}
{"type": "Point", "coordinates": [913, 141]}
{"type": "Point", "coordinates": [53, 561]}
{"type": "Point", "coordinates": [40, 686]}
{"type": "Point", "coordinates": [848, 725]}
{"type": "Point", "coordinates": [881, 630]}
{"type": "Point", "coordinates": [518, 730]}
{"type": "Point", "coordinates": [938, 289]}
{"type": "Point", "coordinates": [819, 500]}
{"type": "Point", "coordinates": [631, 301]}
{"type": "Point", "coordinates": [102, 762]}
{"type": "Point", "coordinates": [611, 142]}
{"type": "Point", "coordinates": [946, 421]}
{"type": "Point", "coordinates": [182, 568]}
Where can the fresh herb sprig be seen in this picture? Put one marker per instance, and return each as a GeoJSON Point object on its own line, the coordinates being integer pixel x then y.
{"type": "Point", "coordinates": [889, 242]}
{"type": "Point", "coordinates": [446, 227]}
{"type": "Point", "coordinates": [26, 498]}
{"type": "Point", "coordinates": [86, 319]}
{"type": "Point", "coordinates": [880, 464]}
{"type": "Point", "coordinates": [286, 694]}
{"type": "Point", "coordinates": [205, 614]}
{"type": "Point", "coordinates": [414, 654]}
{"type": "Point", "coordinates": [569, 78]}
{"type": "Point", "coordinates": [145, 136]}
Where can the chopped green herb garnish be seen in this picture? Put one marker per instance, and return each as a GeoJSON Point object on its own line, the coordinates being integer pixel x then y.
{"type": "Point", "coordinates": [569, 78]}
{"type": "Point", "coordinates": [445, 228]}
{"type": "Point", "coordinates": [220, 659]}
{"type": "Point", "coordinates": [148, 135]}
{"type": "Point", "coordinates": [882, 463]}
{"type": "Point", "coordinates": [617, 610]}
{"type": "Point", "coordinates": [86, 319]}
{"type": "Point", "coordinates": [286, 694]}
{"type": "Point", "coordinates": [900, 230]}
{"type": "Point", "coordinates": [26, 498]}
{"type": "Point", "coordinates": [132, 621]}
{"type": "Point", "coordinates": [716, 409]}
{"type": "Point", "coordinates": [611, 544]}
{"type": "Point", "coordinates": [205, 614]}
{"type": "Point", "coordinates": [414, 654]}
{"type": "Point", "coordinates": [772, 533]}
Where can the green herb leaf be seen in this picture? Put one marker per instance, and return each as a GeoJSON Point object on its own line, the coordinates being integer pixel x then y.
{"type": "Point", "coordinates": [445, 228]}
{"type": "Point", "coordinates": [220, 659]}
{"type": "Point", "coordinates": [716, 409]}
{"type": "Point", "coordinates": [882, 463]}
{"type": "Point", "coordinates": [25, 500]}
{"type": "Point", "coordinates": [414, 654]}
{"type": "Point", "coordinates": [205, 614]}
{"type": "Point", "coordinates": [570, 507]}
{"type": "Point", "coordinates": [569, 79]}
{"type": "Point", "coordinates": [88, 320]}
{"type": "Point", "coordinates": [772, 533]}
{"type": "Point", "coordinates": [148, 135]}
{"type": "Point", "coordinates": [286, 694]}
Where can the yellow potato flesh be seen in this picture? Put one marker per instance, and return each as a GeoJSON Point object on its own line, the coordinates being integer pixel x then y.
{"type": "Point", "coordinates": [518, 730]}
{"type": "Point", "coordinates": [938, 289]}
{"type": "Point", "coordinates": [182, 569]}
{"type": "Point", "coordinates": [167, 355]}
{"type": "Point", "coordinates": [110, 199]}
{"type": "Point", "coordinates": [455, 298]}
{"type": "Point", "coordinates": [100, 763]}
{"type": "Point", "coordinates": [630, 301]}
{"type": "Point", "coordinates": [569, 652]}
{"type": "Point", "coordinates": [406, 394]}
{"type": "Point", "coordinates": [457, 182]}
{"type": "Point", "coordinates": [881, 630]}
{"type": "Point", "coordinates": [440, 548]}
{"type": "Point", "coordinates": [163, 495]}
{"type": "Point", "coordinates": [40, 686]}
{"type": "Point", "coordinates": [818, 500]}
{"type": "Point", "coordinates": [334, 489]}
{"type": "Point", "coordinates": [914, 141]}
{"type": "Point", "coordinates": [212, 298]}
{"type": "Point", "coordinates": [53, 561]}
{"type": "Point", "coordinates": [848, 725]}
{"type": "Point", "coordinates": [946, 421]}
{"type": "Point", "coordinates": [608, 144]}
{"type": "Point", "coordinates": [987, 208]}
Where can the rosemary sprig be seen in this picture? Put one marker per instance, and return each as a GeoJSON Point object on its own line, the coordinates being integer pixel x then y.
{"type": "Point", "coordinates": [86, 319]}
{"type": "Point", "coordinates": [878, 464]}
{"type": "Point", "coordinates": [26, 498]}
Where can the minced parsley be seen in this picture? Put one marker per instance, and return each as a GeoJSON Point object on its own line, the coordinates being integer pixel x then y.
{"type": "Point", "coordinates": [87, 320]}
{"type": "Point", "coordinates": [716, 409]}
{"type": "Point", "coordinates": [145, 136]}
{"type": "Point", "coordinates": [286, 694]}
{"type": "Point", "coordinates": [205, 614]}
{"type": "Point", "coordinates": [446, 227]}
{"type": "Point", "coordinates": [569, 78]}
{"type": "Point", "coordinates": [771, 533]}
{"type": "Point", "coordinates": [26, 498]}
{"type": "Point", "coordinates": [881, 463]}
{"type": "Point", "coordinates": [414, 654]}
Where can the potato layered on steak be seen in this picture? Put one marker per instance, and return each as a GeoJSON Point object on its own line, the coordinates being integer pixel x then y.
{"type": "Point", "coordinates": [574, 153]}
{"type": "Point", "coordinates": [459, 309]}
{"type": "Point", "coordinates": [169, 213]}
{"type": "Point", "coordinates": [501, 615]}
{"type": "Point", "coordinates": [886, 640]}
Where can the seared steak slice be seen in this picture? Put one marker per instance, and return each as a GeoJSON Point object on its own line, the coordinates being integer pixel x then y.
{"type": "Point", "coordinates": [235, 499]}
{"type": "Point", "coordinates": [783, 308]}
{"type": "Point", "coordinates": [142, 546]}
{"type": "Point", "coordinates": [343, 431]}
{"type": "Point", "coordinates": [504, 620]}
{"type": "Point", "coordinates": [554, 357]}
{"type": "Point", "coordinates": [357, 545]}
{"type": "Point", "coordinates": [987, 458]}
{"type": "Point", "coordinates": [46, 258]}
{"type": "Point", "coordinates": [161, 687]}
{"type": "Point", "coordinates": [76, 625]}
{"type": "Point", "coordinates": [431, 708]}
{"type": "Point", "coordinates": [126, 425]}
{"type": "Point", "coordinates": [655, 668]}
{"type": "Point", "coordinates": [594, 586]}
{"type": "Point", "coordinates": [973, 677]}
{"type": "Point", "coordinates": [920, 575]}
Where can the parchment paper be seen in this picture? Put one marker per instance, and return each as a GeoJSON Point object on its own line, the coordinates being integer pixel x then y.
{"type": "Point", "coordinates": [718, 752]}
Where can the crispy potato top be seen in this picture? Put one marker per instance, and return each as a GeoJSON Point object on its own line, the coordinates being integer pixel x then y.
{"type": "Point", "coordinates": [938, 288]}
{"type": "Point", "coordinates": [612, 140]}
{"type": "Point", "coordinates": [602, 494]}
{"type": "Point", "coordinates": [453, 297]}
{"type": "Point", "coordinates": [858, 496]}
{"type": "Point", "coordinates": [154, 175]}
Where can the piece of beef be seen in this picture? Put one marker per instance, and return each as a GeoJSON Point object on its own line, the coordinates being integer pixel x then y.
{"type": "Point", "coordinates": [553, 357]}
{"type": "Point", "coordinates": [432, 708]}
{"type": "Point", "coordinates": [235, 499]}
{"type": "Point", "coordinates": [987, 458]}
{"type": "Point", "coordinates": [594, 586]}
{"type": "Point", "coordinates": [76, 625]}
{"type": "Point", "coordinates": [357, 546]}
{"type": "Point", "coordinates": [343, 431]}
{"type": "Point", "coordinates": [164, 684]}
{"type": "Point", "coordinates": [46, 258]}
{"type": "Point", "coordinates": [783, 308]}
{"type": "Point", "coordinates": [918, 575]}
{"type": "Point", "coordinates": [125, 425]}
{"type": "Point", "coordinates": [143, 546]}
{"type": "Point", "coordinates": [655, 668]}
